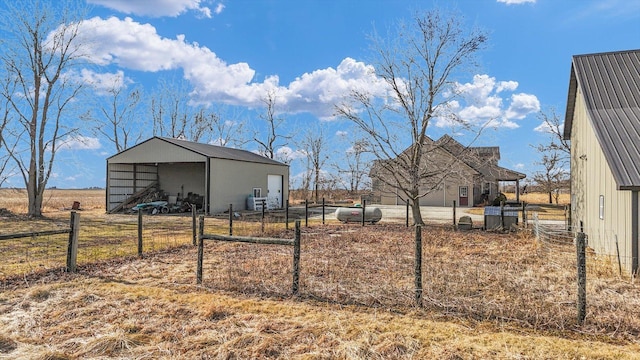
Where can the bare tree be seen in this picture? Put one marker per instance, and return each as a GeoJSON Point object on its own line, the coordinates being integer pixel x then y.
{"type": "Point", "coordinates": [228, 129]}
{"type": "Point", "coordinates": [269, 143]}
{"type": "Point", "coordinates": [352, 172]}
{"type": "Point", "coordinates": [5, 150]}
{"type": "Point", "coordinates": [315, 144]}
{"type": "Point", "coordinates": [417, 65]}
{"type": "Point", "coordinates": [556, 155]}
{"type": "Point", "coordinates": [41, 47]}
{"type": "Point", "coordinates": [553, 178]}
{"type": "Point", "coordinates": [118, 119]}
{"type": "Point", "coordinates": [555, 129]}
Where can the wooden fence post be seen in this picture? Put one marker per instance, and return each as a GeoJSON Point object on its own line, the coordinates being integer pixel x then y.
{"type": "Point", "coordinates": [323, 210]}
{"type": "Point", "coordinates": [296, 260]}
{"type": "Point", "coordinates": [230, 219]}
{"type": "Point", "coordinates": [524, 214]}
{"type": "Point", "coordinates": [194, 228]}
{"type": "Point", "coordinates": [364, 208]}
{"type": "Point", "coordinates": [306, 213]}
{"type": "Point", "coordinates": [72, 248]}
{"type": "Point", "coordinates": [200, 250]}
{"type": "Point", "coordinates": [418, 266]}
{"type": "Point", "coordinates": [286, 215]}
{"type": "Point", "coordinates": [139, 233]}
{"type": "Point", "coordinates": [502, 215]}
{"type": "Point", "coordinates": [582, 277]}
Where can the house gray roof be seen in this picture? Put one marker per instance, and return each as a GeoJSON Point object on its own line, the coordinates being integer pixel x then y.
{"type": "Point", "coordinates": [221, 152]}
{"type": "Point", "coordinates": [610, 84]}
{"type": "Point", "coordinates": [483, 159]}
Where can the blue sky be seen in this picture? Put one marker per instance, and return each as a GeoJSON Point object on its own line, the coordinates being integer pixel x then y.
{"type": "Point", "coordinates": [232, 52]}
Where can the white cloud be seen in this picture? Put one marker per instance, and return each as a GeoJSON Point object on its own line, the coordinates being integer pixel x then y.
{"type": "Point", "coordinates": [516, 2]}
{"type": "Point", "coordinates": [79, 142]}
{"type": "Point", "coordinates": [522, 105]}
{"type": "Point", "coordinates": [519, 166]}
{"type": "Point", "coordinates": [481, 102]}
{"type": "Point", "coordinates": [137, 46]}
{"type": "Point", "coordinates": [219, 8]}
{"type": "Point", "coordinates": [103, 82]}
{"type": "Point", "coordinates": [545, 128]}
{"type": "Point", "coordinates": [156, 8]}
{"type": "Point", "coordinates": [287, 154]}
{"type": "Point", "coordinates": [342, 133]}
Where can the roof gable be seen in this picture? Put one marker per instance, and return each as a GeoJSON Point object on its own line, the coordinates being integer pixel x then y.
{"type": "Point", "coordinates": [209, 151]}
{"type": "Point", "coordinates": [610, 84]}
{"type": "Point", "coordinates": [483, 159]}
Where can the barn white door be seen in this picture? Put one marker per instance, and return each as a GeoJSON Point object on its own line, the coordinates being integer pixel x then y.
{"type": "Point", "coordinates": [274, 191]}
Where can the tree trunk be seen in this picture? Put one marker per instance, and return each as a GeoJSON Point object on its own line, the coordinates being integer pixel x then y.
{"type": "Point", "coordinates": [550, 197]}
{"type": "Point", "coordinates": [415, 208]}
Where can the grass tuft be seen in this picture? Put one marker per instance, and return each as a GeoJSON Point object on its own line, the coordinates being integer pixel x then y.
{"type": "Point", "coordinates": [7, 345]}
{"type": "Point", "coordinates": [115, 344]}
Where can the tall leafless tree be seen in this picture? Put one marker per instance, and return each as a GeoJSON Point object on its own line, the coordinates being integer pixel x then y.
{"type": "Point", "coordinates": [553, 177]}
{"type": "Point", "coordinates": [314, 143]}
{"type": "Point", "coordinates": [118, 118]}
{"type": "Point", "coordinates": [417, 64]}
{"type": "Point", "coordinates": [272, 138]}
{"type": "Point", "coordinates": [555, 128]}
{"type": "Point", "coordinates": [555, 157]}
{"type": "Point", "coordinates": [40, 49]}
{"type": "Point", "coordinates": [228, 128]}
{"type": "Point", "coordinates": [353, 170]}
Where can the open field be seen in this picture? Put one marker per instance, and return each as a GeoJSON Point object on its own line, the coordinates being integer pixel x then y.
{"type": "Point", "coordinates": [485, 295]}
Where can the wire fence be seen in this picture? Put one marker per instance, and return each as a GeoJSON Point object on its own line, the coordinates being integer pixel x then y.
{"type": "Point", "coordinates": [487, 276]}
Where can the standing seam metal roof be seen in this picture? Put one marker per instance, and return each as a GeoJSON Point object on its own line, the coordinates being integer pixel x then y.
{"type": "Point", "coordinates": [610, 84]}
{"type": "Point", "coordinates": [221, 152]}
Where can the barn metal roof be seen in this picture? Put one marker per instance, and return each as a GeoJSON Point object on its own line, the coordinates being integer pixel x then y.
{"type": "Point", "coordinates": [610, 84]}
{"type": "Point", "coordinates": [221, 152]}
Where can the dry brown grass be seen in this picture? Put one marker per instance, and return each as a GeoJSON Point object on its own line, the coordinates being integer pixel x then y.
{"type": "Point", "coordinates": [486, 296]}
{"type": "Point", "coordinates": [540, 198]}
{"type": "Point", "coordinates": [55, 200]}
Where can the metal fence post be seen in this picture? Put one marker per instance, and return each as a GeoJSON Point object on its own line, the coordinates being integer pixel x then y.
{"type": "Point", "coordinates": [454, 214]}
{"type": "Point", "coordinates": [72, 248]}
{"type": "Point", "coordinates": [323, 210]}
{"type": "Point", "coordinates": [407, 215]}
{"type": "Point", "coordinates": [200, 250]}
{"type": "Point", "coordinates": [139, 233]}
{"type": "Point", "coordinates": [364, 208]}
{"type": "Point", "coordinates": [193, 225]}
{"type": "Point", "coordinates": [306, 213]}
{"type": "Point", "coordinates": [296, 260]}
{"type": "Point", "coordinates": [582, 277]}
{"type": "Point", "coordinates": [230, 219]}
{"type": "Point", "coordinates": [286, 215]}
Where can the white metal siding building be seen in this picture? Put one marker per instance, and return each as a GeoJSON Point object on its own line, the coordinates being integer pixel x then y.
{"type": "Point", "coordinates": [222, 176]}
{"type": "Point", "coordinates": [603, 123]}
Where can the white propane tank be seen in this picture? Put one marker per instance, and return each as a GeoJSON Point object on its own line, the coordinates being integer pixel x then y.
{"type": "Point", "coordinates": [372, 214]}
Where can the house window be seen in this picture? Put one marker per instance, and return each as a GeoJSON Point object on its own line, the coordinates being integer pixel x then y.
{"type": "Point", "coordinates": [486, 190]}
{"type": "Point", "coordinates": [601, 207]}
{"type": "Point", "coordinates": [257, 192]}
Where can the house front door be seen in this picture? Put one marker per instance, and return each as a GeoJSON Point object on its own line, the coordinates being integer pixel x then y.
{"type": "Point", "coordinates": [463, 195]}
